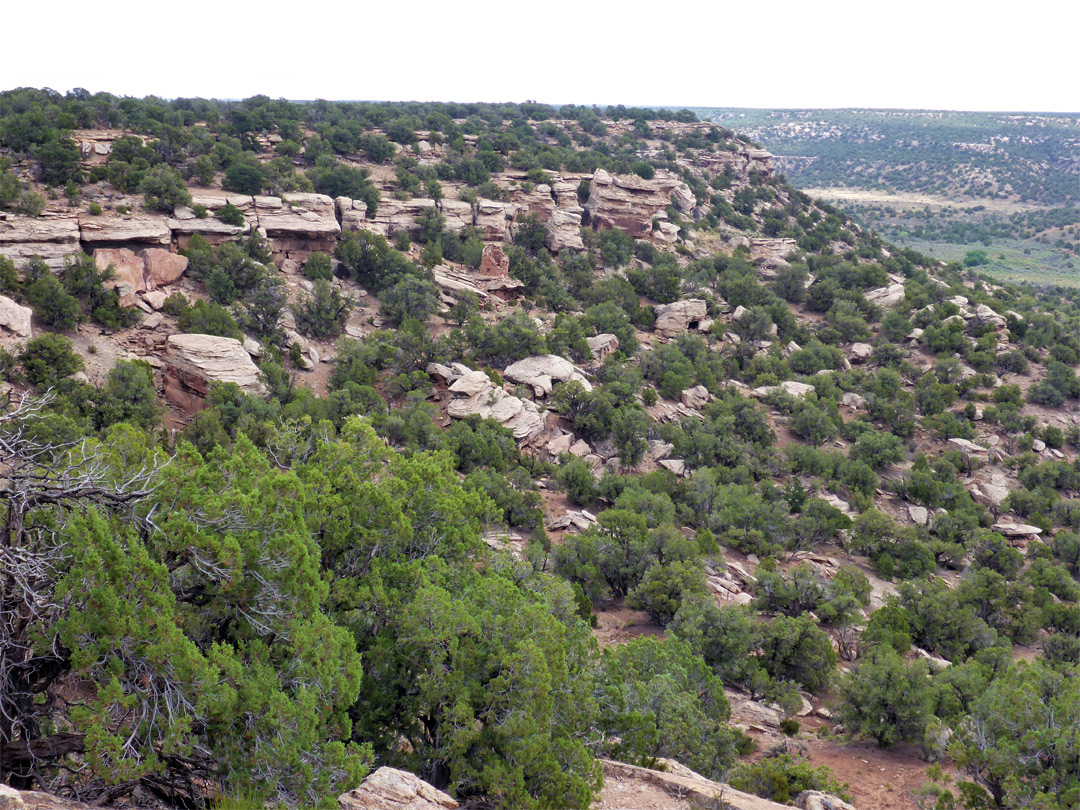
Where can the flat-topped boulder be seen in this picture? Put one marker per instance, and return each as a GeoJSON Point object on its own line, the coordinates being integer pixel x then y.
{"type": "Point", "coordinates": [792, 388]}
{"type": "Point", "coordinates": [542, 371]}
{"type": "Point", "coordinates": [54, 240]}
{"type": "Point", "coordinates": [196, 361]}
{"type": "Point", "coordinates": [142, 229]}
{"type": "Point", "coordinates": [14, 317]}
{"type": "Point", "coordinates": [1016, 530]}
{"type": "Point", "coordinates": [888, 296]}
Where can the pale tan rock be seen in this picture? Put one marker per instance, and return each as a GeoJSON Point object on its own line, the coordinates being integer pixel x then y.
{"type": "Point", "coordinates": [888, 296]}
{"type": "Point", "coordinates": [673, 319]}
{"type": "Point", "coordinates": [1016, 530]}
{"type": "Point", "coordinates": [391, 789]}
{"type": "Point", "coordinates": [818, 800]}
{"type": "Point", "coordinates": [141, 230]}
{"type": "Point", "coordinates": [659, 450]}
{"type": "Point", "coordinates": [969, 449]}
{"type": "Point", "coordinates": [674, 465]}
{"type": "Point", "coordinates": [852, 400]}
{"type": "Point", "coordinates": [52, 240]}
{"type": "Point", "coordinates": [10, 799]}
{"type": "Point", "coordinates": [474, 393]}
{"type": "Point", "coordinates": [918, 514]}
{"type": "Point", "coordinates": [129, 272]}
{"type": "Point", "coordinates": [15, 318]}
{"type": "Point", "coordinates": [560, 444]}
{"type": "Point", "coordinates": [795, 389]}
{"type": "Point", "coordinates": [564, 229]}
{"type": "Point", "coordinates": [697, 397]}
{"type": "Point", "coordinates": [542, 371]}
{"type": "Point", "coordinates": [195, 361]}
{"type": "Point", "coordinates": [860, 352]}
{"type": "Point", "coordinates": [677, 780]}
{"type": "Point", "coordinates": [603, 345]}
{"type": "Point", "coordinates": [155, 298]}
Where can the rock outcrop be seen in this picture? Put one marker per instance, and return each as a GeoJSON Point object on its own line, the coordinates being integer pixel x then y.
{"type": "Point", "coordinates": [543, 371]}
{"type": "Point", "coordinates": [678, 780]}
{"type": "Point", "coordinates": [475, 393]}
{"type": "Point", "coordinates": [888, 296]}
{"type": "Point", "coordinates": [631, 203]}
{"type": "Point", "coordinates": [195, 361]}
{"type": "Point", "coordinates": [54, 240]}
{"type": "Point", "coordinates": [297, 224]}
{"type": "Point", "coordinates": [138, 272]}
{"type": "Point", "coordinates": [391, 789]}
{"type": "Point", "coordinates": [146, 230]}
{"type": "Point", "coordinates": [676, 318]}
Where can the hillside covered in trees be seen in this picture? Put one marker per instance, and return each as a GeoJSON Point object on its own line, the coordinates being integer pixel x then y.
{"type": "Point", "coordinates": [492, 442]}
{"type": "Point", "coordinates": [939, 181]}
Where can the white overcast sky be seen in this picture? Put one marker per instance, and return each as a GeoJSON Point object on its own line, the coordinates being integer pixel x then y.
{"type": "Point", "coordinates": [942, 54]}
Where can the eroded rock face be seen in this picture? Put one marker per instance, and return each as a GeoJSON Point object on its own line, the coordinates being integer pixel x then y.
{"type": "Point", "coordinates": [195, 361]}
{"type": "Point", "coordinates": [297, 224]}
{"type": "Point", "coordinates": [631, 203]}
{"type": "Point", "coordinates": [391, 789]}
{"type": "Point", "coordinates": [676, 318]}
{"type": "Point", "coordinates": [138, 272]}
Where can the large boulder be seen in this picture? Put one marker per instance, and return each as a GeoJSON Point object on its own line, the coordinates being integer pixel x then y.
{"type": "Point", "coordinates": [15, 318]}
{"type": "Point", "coordinates": [162, 267]}
{"type": "Point", "coordinates": [542, 371]}
{"type": "Point", "coordinates": [817, 800]}
{"type": "Point", "coordinates": [138, 272]}
{"type": "Point", "coordinates": [195, 361]}
{"type": "Point", "coordinates": [564, 229]}
{"type": "Point", "coordinates": [673, 319]}
{"type": "Point", "coordinates": [128, 272]}
{"type": "Point", "coordinates": [391, 789]}
{"type": "Point", "coordinates": [475, 393]}
{"type": "Point", "coordinates": [888, 296]}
